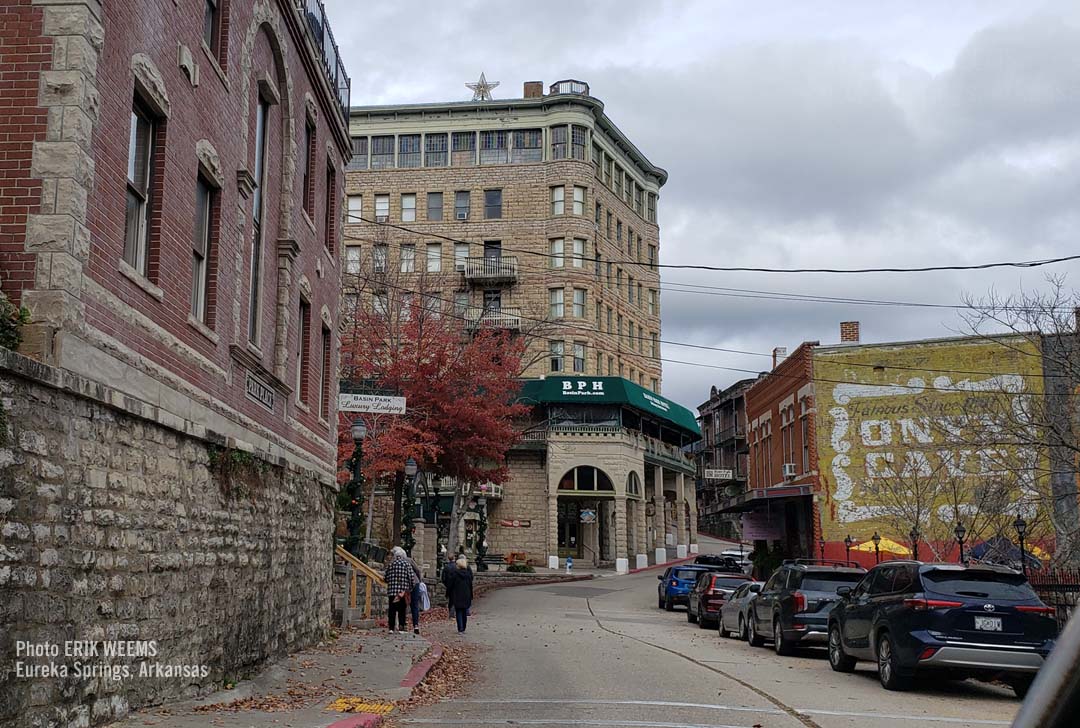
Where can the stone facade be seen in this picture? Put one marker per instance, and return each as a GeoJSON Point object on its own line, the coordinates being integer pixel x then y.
{"type": "Point", "coordinates": [116, 526]}
{"type": "Point", "coordinates": [615, 266]}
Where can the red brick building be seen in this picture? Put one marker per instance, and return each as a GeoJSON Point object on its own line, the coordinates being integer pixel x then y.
{"type": "Point", "coordinates": [170, 178]}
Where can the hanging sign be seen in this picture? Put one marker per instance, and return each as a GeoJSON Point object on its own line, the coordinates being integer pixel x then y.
{"type": "Point", "coordinates": [371, 403]}
{"type": "Point", "coordinates": [716, 474]}
{"type": "Point", "coordinates": [588, 515]}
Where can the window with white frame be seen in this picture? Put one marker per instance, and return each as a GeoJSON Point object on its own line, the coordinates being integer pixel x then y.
{"type": "Point", "coordinates": [494, 147]}
{"type": "Point", "coordinates": [610, 318]}
{"type": "Point", "coordinates": [202, 251]}
{"type": "Point", "coordinates": [461, 205]}
{"type": "Point", "coordinates": [528, 146]}
{"type": "Point", "coordinates": [555, 303]}
{"type": "Point", "coordinates": [579, 252]}
{"type": "Point", "coordinates": [579, 200]}
{"type": "Point", "coordinates": [408, 258]}
{"type": "Point", "coordinates": [140, 171]}
{"type": "Point", "coordinates": [461, 254]}
{"type": "Point", "coordinates": [493, 204]}
{"type": "Point", "coordinates": [630, 289]}
{"type": "Point", "coordinates": [382, 208]}
{"type": "Point", "coordinates": [578, 136]}
{"type": "Point", "coordinates": [434, 257]}
{"type": "Point", "coordinates": [355, 209]}
{"type": "Point", "coordinates": [555, 248]}
{"type": "Point", "coordinates": [378, 258]}
{"type": "Point", "coordinates": [579, 302]}
{"type": "Point", "coordinates": [352, 259]}
{"type": "Point", "coordinates": [655, 385]}
{"type": "Point", "coordinates": [652, 302]}
{"type": "Point", "coordinates": [463, 149]}
{"type": "Point", "coordinates": [434, 206]}
{"type": "Point", "coordinates": [409, 150]}
{"type": "Point", "coordinates": [558, 197]}
{"type": "Point", "coordinates": [380, 303]}
{"type": "Point", "coordinates": [555, 348]}
{"type": "Point", "coordinates": [435, 150]}
{"type": "Point", "coordinates": [461, 303]}
{"type": "Point", "coordinates": [382, 152]}
{"type": "Point", "coordinates": [654, 345]}
{"type": "Point", "coordinates": [359, 159]}
{"type": "Point", "coordinates": [558, 142]}
{"type": "Point", "coordinates": [579, 357]}
{"type": "Point", "coordinates": [408, 207]}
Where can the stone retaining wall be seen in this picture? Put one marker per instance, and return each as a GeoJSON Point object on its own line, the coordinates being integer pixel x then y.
{"type": "Point", "coordinates": [116, 527]}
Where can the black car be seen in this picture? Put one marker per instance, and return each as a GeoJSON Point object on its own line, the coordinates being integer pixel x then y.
{"type": "Point", "coordinates": [793, 606]}
{"type": "Point", "coordinates": [912, 617]}
{"type": "Point", "coordinates": [709, 595]}
{"type": "Point", "coordinates": [723, 563]}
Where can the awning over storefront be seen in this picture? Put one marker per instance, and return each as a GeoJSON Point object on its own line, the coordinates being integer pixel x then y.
{"type": "Point", "coordinates": [609, 390]}
{"type": "Point", "coordinates": [758, 497]}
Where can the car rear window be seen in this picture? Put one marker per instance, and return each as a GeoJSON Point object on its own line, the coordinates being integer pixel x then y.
{"type": "Point", "coordinates": [829, 581]}
{"type": "Point", "coordinates": [726, 582]}
{"type": "Point", "coordinates": [691, 574]}
{"type": "Point", "coordinates": [978, 584]}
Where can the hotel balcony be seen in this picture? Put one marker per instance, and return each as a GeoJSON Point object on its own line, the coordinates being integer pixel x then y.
{"type": "Point", "coordinates": [493, 318]}
{"type": "Point", "coordinates": [489, 269]}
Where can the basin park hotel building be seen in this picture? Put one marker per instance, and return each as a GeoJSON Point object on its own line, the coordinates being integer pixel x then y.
{"type": "Point", "coordinates": [537, 215]}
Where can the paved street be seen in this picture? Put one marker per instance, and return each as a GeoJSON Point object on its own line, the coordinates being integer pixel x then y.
{"type": "Point", "coordinates": [599, 653]}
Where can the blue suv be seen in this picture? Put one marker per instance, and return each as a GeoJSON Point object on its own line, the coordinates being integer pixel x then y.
{"type": "Point", "coordinates": [911, 617]}
{"type": "Point", "coordinates": [676, 583]}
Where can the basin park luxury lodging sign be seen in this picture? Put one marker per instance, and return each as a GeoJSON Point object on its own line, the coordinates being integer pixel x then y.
{"type": "Point", "coordinates": [937, 420]}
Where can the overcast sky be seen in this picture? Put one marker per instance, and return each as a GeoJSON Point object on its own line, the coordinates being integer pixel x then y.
{"type": "Point", "coordinates": [796, 134]}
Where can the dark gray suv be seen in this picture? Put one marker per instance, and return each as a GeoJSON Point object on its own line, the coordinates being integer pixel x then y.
{"type": "Point", "coordinates": [793, 606]}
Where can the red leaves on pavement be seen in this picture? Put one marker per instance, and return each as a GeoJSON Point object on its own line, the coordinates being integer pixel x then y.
{"type": "Point", "coordinates": [296, 696]}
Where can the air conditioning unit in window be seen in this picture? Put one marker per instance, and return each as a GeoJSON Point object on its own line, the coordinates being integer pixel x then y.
{"type": "Point", "coordinates": [463, 216]}
{"type": "Point", "coordinates": [789, 470]}
{"type": "Point", "coordinates": [382, 218]}
{"type": "Point", "coordinates": [459, 266]}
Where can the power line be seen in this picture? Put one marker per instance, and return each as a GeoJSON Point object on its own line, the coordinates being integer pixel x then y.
{"type": "Point", "coordinates": [752, 269]}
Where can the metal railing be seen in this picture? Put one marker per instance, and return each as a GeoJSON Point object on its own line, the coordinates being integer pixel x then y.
{"type": "Point", "coordinates": [319, 27]}
{"type": "Point", "coordinates": [491, 268]}
{"type": "Point", "coordinates": [496, 318]}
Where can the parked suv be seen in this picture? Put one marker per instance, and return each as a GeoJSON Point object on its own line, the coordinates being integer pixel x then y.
{"type": "Point", "coordinates": [793, 606]}
{"type": "Point", "coordinates": [676, 583]}
{"type": "Point", "coordinates": [709, 595]}
{"type": "Point", "coordinates": [912, 617]}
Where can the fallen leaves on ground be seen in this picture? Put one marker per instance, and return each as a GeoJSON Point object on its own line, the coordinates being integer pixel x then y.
{"type": "Point", "coordinates": [450, 676]}
{"type": "Point", "coordinates": [297, 695]}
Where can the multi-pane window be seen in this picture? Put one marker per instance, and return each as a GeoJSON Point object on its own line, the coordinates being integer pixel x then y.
{"type": "Point", "coordinates": [492, 204]}
{"type": "Point", "coordinates": [579, 303]}
{"type": "Point", "coordinates": [435, 150]}
{"type": "Point", "coordinates": [609, 163]}
{"type": "Point", "coordinates": [262, 117]}
{"type": "Point", "coordinates": [628, 196]}
{"type": "Point", "coordinates": [492, 299]}
{"type": "Point", "coordinates": [654, 345]}
{"type": "Point", "coordinates": [618, 181]}
{"type": "Point", "coordinates": [610, 365]}
{"type": "Point", "coordinates": [579, 200]}
{"type": "Point", "coordinates": [555, 303]}
{"type": "Point", "coordinates": [140, 174]}
{"type": "Point", "coordinates": [640, 298]}
{"type": "Point", "coordinates": [555, 349]}
{"type": "Point", "coordinates": [619, 328]}
{"type": "Point", "coordinates": [461, 254]}
{"type": "Point", "coordinates": [461, 303]}
{"type": "Point", "coordinates": [324, 374]}
{"type": "Point", "coordinates": [461, 205]}
{"type": "Point", "coordinates": [378, 258]}
{"type": "Point", "coordinates": [618, 232]}
{"type": "Point", "coordinates": [359, 158]}
{"type": "Point", "coordinates": [434, 257]}
{"type": "Point", "coordinates": [610, 217]}
{"type": "Point", "coordinates": [630, 334]}
{"type": "Point", "coordinates": [609, 269]}
{"type": "Point", "coordinates": [211, 25]}
{"type": "Point", "coordinates": [639, 200]}
{"type": "Point", "coordinates": [380, 303]}
{"type": "Point", "coordinates": [408, 207]}
{"type": "Point", "coordinates": [598, 308]}
{"type": "Point", "coordinates": [308, 188]}
{"type": "Point", "coordinates": [493, 147]}
{"type": "Point", "coordinates": [382, 152]}
{"type": "Point", "coordinates": [202, 249]}
{"type": "Point", "coordinates": [652, 255]}
{"type": "Point", "coordinates": [597, 160]}
{"type": "Point", "coordinates": [639, 247]}
{"type": "Point", "coordinates": [558, 199]}
{"type": "Point", "coordinates": [578, 137]}
{"type": "Point", "coordinates": [528, 146]}
{"type": "Point", "coordinates": [408, 258]}
{"type": "Point", "coordinates": [618, 280]}
{"type": "Point", "coordinates": [463, 149]}
{"type": "Point", "coordinates": [598, 215]}
{"type": "Point", "coordinates": [610, 315]}
{"type": "Point", "coordinates": [655, 385]}
{"type": "Point", "coordinates": [406, 305]}
{"type": "Point", "coordinates": [556, 251]}
{"type": "Point", "coordinates": [355, 208]}
{"type": "Point", "coordinates": [579, 252]}
{"type": "Point", "coordinates": [434, 206]}
{"type": "Point", "coordinates": [558, 142]}
{"type": "Point", "coordinates": [303, 353]}
{"type": "Point", "coordinates": [352, 259]}
{"type": "Point", "coordinates": [409, 150]}
{"type": "Point", "coordinates": [330, 209]}
{"type": "Point", "coordinates": [630, 289]}
{"type": "Point", "coordinates": [652, 207]}
{"type": "Point", "coordinates": [382, 208]}
{"type": "Point", "coordinates": [629, 243]}
{"type": "Point", "coordinates": [579, 356]}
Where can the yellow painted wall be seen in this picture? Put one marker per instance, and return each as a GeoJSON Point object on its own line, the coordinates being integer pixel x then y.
{"type": "Point", "coordinates": [886, 410]}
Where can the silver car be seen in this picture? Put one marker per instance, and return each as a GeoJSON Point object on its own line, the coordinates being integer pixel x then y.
{"type": "Point", "coordinates": [742, 557]}
{"type": "Point", "coordinates": [735, 615]}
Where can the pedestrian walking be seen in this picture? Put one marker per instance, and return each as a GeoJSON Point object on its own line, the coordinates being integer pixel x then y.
{"type": "Point", "coordinates": [445, 579]}
{"type": "Point", "coordinates": [459, 591]}
{"type": "Point", "coordinates": [400, 580]}
{"type": "Point", "coordinates": [415, 597]}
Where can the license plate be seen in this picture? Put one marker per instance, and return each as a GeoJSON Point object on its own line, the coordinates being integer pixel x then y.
{"type": "Point", "coordinates": [988, 624]}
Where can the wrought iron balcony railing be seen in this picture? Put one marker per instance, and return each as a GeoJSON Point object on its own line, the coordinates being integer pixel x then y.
{"type": "Point", "coordinates": [319, 27]}
{"type": "Point", "coordinates": [491, 269]}
{"type": "Point", "coordinates": [497, 318]}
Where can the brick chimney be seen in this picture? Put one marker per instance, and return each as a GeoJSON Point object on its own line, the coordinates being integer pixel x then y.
{"type": "Point", "coordinates": [778, 355]}
{"type": "Point", "coordinates": [534, 89]}
{"type": "Point", "coordinates": [849, 332]}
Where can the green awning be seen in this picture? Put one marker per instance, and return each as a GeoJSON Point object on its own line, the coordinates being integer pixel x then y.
{"type": "Point", "coordinates": [609, 390]}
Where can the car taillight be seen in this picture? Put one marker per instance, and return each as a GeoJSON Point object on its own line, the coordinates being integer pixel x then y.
{"type": "Point", "coordinates": [921, 605]}
{"type": "Point", "coordinates": [800, 602]}
{"type": "Point", "coordinates": [927, 653]}
{"type": "Point", "coordinates": [1050, 611]}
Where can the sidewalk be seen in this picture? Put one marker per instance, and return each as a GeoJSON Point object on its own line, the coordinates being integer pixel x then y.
{"type": "Point", "coordinates": [360, 673]}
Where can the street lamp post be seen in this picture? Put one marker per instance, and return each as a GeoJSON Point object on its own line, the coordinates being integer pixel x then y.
{"type": "Point", "coordinates": [1021, 529]}
{"type": "Point", "coordinates": [848, 541]}
{"type": "Point", "coordinates": [821, 546]}
{"type": "Point", "coordinates": [358, 430]}
{"type": "Point", "coordinates": [914, 542]}
{"type": "Point", "coordinates": [409, 489]}
{"type": "Point", "coordinates": [960, 532]}
{"type": "Point", "coordinates": [877, 552]}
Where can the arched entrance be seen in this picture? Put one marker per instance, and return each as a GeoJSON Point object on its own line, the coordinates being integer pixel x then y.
{"type": "Point", "coordinates": [585, 500]}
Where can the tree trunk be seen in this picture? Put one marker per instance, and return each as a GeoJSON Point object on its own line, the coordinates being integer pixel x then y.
{"type": "Point", "coordinates": [457, 511]}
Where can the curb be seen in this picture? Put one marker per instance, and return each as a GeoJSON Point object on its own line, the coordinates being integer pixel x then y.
{"type": "Point", "coordinates": [420, 670]}
{"type": "Point", "coordinates": [363, 720]}
{"type": "Point", "coordinates": [673, 562]}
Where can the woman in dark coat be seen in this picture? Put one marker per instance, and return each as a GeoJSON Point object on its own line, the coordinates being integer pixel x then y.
{"type": "Point", "coordinates": [459, 591]}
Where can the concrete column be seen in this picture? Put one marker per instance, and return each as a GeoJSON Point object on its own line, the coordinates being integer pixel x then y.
{"type": "Point", "coordinates": [553, 531]}
{"type": "Point", "coordinates": [692, 525]}
{"type": "Point", "coordinates": [642, 552]}
{"type": "Point", "coordinates": [622, 561]}
{"type": "Point", "coordinates": [682, 541]}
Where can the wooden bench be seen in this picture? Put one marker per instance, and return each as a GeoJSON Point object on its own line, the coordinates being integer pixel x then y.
{"type": "Point", "coordinates": [489, 560]}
